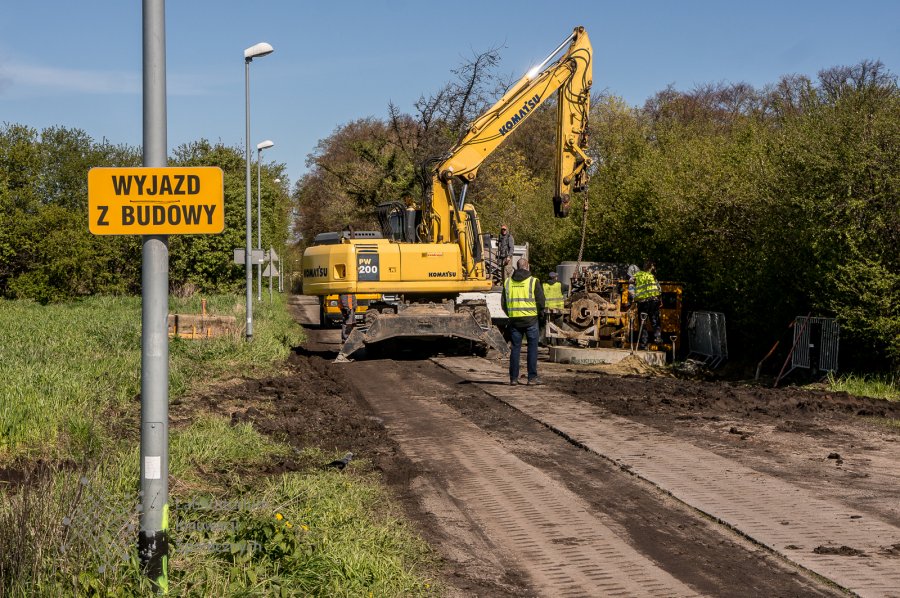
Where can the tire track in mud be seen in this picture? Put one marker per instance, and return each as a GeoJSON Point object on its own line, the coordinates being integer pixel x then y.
{"type": "Point", "coordinates": [837, 543]}
{"type": "Point", "coordinates": [566, 548]}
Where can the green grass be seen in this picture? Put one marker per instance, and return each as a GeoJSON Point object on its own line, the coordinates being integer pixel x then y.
{"type": "Point", "coordinates": [60, 368]}
{"type": "Point", "coordinates": [66, 370]}
{"type": "Point", "coordinates": [274, 333]}
{"type": "Point", "coordinates": [69, 376]}
{"type": "Point", "coordinates": [879, 387]}
{"type": "Point", "coordinates": [310, 533]}
{"type": "Point", "coordinates": [307, 533]}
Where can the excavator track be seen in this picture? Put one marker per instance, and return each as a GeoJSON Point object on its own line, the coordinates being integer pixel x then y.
{"type": "Point", "coordinates": [427, 322]}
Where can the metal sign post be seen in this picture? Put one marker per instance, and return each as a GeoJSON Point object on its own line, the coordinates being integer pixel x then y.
{"type": "Point", "coordinates": [256, 256]}
{"type": "Point", "coordinates": [153, 539]}
{"type": "Point", "coordinates": [155, 201]}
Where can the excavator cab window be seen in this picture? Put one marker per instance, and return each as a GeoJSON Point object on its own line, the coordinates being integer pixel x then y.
{"type": "Point", "coordinates": [398, 222]}
{"type": "Point", "coordinates": [395, 226]}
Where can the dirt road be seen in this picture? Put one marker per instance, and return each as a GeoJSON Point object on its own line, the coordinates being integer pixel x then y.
{"type": "Point", "coordinates": [600, 484]}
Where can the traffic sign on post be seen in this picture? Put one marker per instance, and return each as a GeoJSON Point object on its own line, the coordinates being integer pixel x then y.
{"type": "Point", "coordinates": [156, 201]}
{"type": "Point", "coordinates": [257, 256]}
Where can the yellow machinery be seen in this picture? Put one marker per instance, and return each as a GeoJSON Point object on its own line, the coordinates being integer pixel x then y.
{"type": "Point", "coordinates": [434, 250]}
{"type": "Point", "coordinates": [330, 309]}
{"type": "Point", "coordinates": [598, 311]}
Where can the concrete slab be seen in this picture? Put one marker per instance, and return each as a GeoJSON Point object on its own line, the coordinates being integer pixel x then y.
{"type": "Point", "coordinates": [592, 356]}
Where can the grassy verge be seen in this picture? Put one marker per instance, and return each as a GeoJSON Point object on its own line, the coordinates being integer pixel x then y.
{"type": "Point", "coordinates": [238, 526]}
{"type": "Point", "coordinates": [878, 387]}
{"type": "Point", "coordinates": [66, 370]}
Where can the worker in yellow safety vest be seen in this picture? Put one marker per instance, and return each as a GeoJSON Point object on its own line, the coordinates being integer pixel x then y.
{"type": "Point", "coordinates": [553, 295]}
{"type": "Point", "coordinates": [523, 300]}
{"type": "Point", "coordinates": [554, 304]}
{"type": "Point", "coordinates": [648, 296]}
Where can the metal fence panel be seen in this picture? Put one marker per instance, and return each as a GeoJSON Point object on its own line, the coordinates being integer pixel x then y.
{"type": "Point", "coordinates": [831, 333]}
{"type": "Point", "coordinates": [815, 338]}
{"type": "Point", "coordinates": [707, 340]}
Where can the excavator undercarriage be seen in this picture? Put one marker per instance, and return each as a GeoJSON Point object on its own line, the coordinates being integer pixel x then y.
{"type": "Point", "coordinates": [467, 321]}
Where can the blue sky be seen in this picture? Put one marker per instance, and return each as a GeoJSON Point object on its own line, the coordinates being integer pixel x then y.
{"type": "Point", "coordinates": [78, 64]}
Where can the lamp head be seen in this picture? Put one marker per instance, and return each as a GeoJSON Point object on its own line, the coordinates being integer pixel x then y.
{"type": "Point", "coordinates": [265, 144]}
{"type": "Point", "coordinates": [259, 50]}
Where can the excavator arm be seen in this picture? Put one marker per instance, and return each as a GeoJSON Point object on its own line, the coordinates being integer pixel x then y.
{"type": "Point", "coordinates": [445, 211]}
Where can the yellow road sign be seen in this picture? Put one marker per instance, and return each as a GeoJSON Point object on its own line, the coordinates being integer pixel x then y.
{"type": "Point", "coordinates": [156, 201]}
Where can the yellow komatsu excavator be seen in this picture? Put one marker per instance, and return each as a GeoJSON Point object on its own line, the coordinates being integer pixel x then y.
{"type": "Point", "coordinates": [434, 251]}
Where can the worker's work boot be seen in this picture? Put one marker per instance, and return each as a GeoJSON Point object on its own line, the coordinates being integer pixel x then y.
{"type": "Point", "coordinates": [535, 382]}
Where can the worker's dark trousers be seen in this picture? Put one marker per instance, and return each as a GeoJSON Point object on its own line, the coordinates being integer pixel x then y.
{"type": "Point", "coordinates": [651, 308]}
{"type": "Point", "coordinates": [531, 334]}
{"type": "Point", "coordinates": [349, 322]}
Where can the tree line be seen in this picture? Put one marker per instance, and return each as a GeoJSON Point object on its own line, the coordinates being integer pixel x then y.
{"type": "Point", "coordinates": [47, 253]}
{"type": "Point", "coordinates": [766, 203]}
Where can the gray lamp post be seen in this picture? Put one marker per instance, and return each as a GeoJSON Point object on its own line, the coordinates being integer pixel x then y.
{"type": "Point", "coordinates": [281, 260]}
{"type": "Point", "coordinates": [259, 148]}
{"type": "Point", "coordinates": [258, 51]}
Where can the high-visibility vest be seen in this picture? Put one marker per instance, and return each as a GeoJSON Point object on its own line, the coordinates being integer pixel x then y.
{"type": "Point", "coordinates": [645, 286]}
{"type": "Point", "coordinates": [553, 297]}
{"type": "Point", "coordinates": [520, 301]}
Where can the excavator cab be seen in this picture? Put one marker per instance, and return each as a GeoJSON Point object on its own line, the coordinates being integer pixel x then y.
{"type": "Point", "coordinates": [398, 221]}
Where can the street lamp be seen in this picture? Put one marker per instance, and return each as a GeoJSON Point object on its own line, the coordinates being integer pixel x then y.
{"type": "Point", "coordinates": [258, 51]}
{"type": "Point", "coordinates": [283, 250]}
{"type": "Point", "coordinates": [259, 148]}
